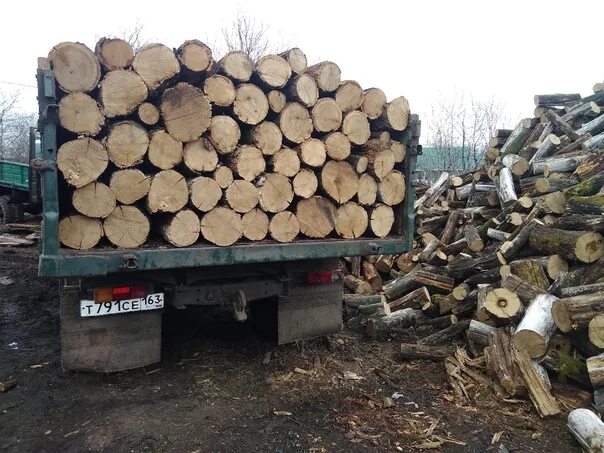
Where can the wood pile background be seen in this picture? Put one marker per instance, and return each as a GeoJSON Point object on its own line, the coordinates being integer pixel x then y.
{"type": "Point", "coordinates": [172, 142]}
{"type": "Point", "coordinates": [509, 256]}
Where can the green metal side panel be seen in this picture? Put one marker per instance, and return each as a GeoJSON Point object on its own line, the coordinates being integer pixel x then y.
{"type": "Point", "coordinates": [14, 175]}
{"type": "Point", "coordinates": [59, 262]}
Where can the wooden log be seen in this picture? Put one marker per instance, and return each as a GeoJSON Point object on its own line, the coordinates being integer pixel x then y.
{"type": "Point", "coordinates": [587, 187]}
{"type": "Point", "coordinates": [416, 299]}
{"type": "Point", "coordinates": [224, 134]}
{"type": "Point", "coordinates": [499, 357]}
{"type": "Point", "coordinates": [591, 127]}
{"type": "Point", "coordinates": [349, 95]}
{"type": "Point", "coordinates": [547, 185]}
{"type": "Point", "coordinates": [358, 300]}
{"type": "Point", "coordinates": [359, 163]}
{"type": "Point", "coordinates": [439, 283]}
{"type": "Point", "coordinates": [75, 67]}
{"type": "Point", "coordinates": [406, 262]}
{"type": "Point", "coordinates": [583, 246]}
{"type": "Point", "coordinates": [127, 143]}
{"type": "Point", "coordinates": [148, 114]}
{"type": "Point", "coordinates": [497, 235]}
{"type": "Point", "coordinates": [587, 428]}
{"type": "Point", "coordinates": [482, 291]}
{"type": "Point", "coordinates": [204, 193]}
{"type": "Point", "coordinates": [423, 352]}
{"type": "Point", "coordinates": [355, 266]}
{"type": "Point", "coordinates": [337, 145]}
{"type": "Point", "coordinates": [516, 164]}
{"type": "Point", "coordinates": [572, 291]}
{"type": "Point", "coordinates": [531, 272]}
{"type": "Point", "coordinates": [595, 369]}
{"type": "Point", "coordinates": [121, 92]}
{"type": "Point", "coordinates": [374, 102]}
{"type": "Point", "coordinates": [394, 117]}
{"type": "Point", "coordinates": [295, 122]}
{"type": "Point", "coordinates": [156, 64]}
{"type": "Point", "coordinates": [398, 287]}
{"type": "Point", "coordinates": [317, 217]}
{"type": "Point", "coordinates": [276, 101]}
{"type": "Point", "coordinates": [339, 180]}
{"type": "Point", "coordinates": [247, 162]}
{"type": "Point", "coordinates": [555, 100]}
{"type": "Point", "coordinates": [561, 125]}
{"type": "Point", "coordinates": [384, 263]}
{"type": "Point", "coordinates": [181, 229]}
{"type": "Point", "coordinates": [380, 163]}
{"type": "Point", "coordinates": [379, 309]}
{"type": "Point", "coordinates": [517, 138]}
{"type": "Point", "coordinates": [525, 291]}
{"type": "Point", "coordinates": [200, 156]}
{"type": "Point", "coordinates": [114, 53]}
{"type": "Point", "coordinates": [255, 224]}
{"type": "Point", "coordinates": [241, 196]}
{"type": "Point", "coordinates": [186, 112]}
{"type": "Point", "coordinates": [538, 390]}
{"type": "Point", "coordinates": [473, 239]}
{"type": "Point", "coordinates": [449, 230]}
{"type": "Point", "coordinates": [356, 285]}
{"type": "Point", "coordinates": [80, 114]}
{"type": "Point", "coordinates": [312, 152]}
{"type": "Point", "coordinates": [510, 247]}
{"type": "Point", "coordinates": [223, 176]}
{"type": "Point", "coordinates": [220, 90]}
{"type": "Point", "coordinates": [428, 250]}
{"type": "Point", "coordinates": [576, 312]}
{"type": "Point", "coordinates": [560, 164]}
{"type": "Point", "coordinates": [80, 232]}
{"type": "Point", "coordinates": [267, 137]}
{"type": "Point", "coordinates": [284, 227]}
{"type": "Point", "coordinates": [593, 142]}
{"type": "Point", "coordinates": [286, 162]}
{"type": "Point", "coordinates": [551, 203]}
{"type": "Point", "coordinates": [273, 71]}
{"type": "Point", "coordinates": [536, 327]}
{"type": "Point", "coordinates": [327, 75]}
{"type": "Point", "coordinates": [236, 65]}
{"type": "Point", "coordinates": [446, 335]}
{"type": "Point", "coordinates": [441, 181]}
{"type": "Point", "coordinates": [168, 192]}
{"type": "Point", "coordinates": [464, 265]}
{"type": "Point", "coordinates": [275, 194]}
{"type": "Point", "coordinates": [195, 59]}
{"type": "Point", "coordinates": [391, 189]}
{"type": "Point", "coordinates": [129, 185]}
{"type": "Point", "coordinates": [384, 325]}
{"type": "Point", "coordinates": [326, 115]}
{"type": "Point", "coordinates": [505, 188]}
{"type": "Point", "coordinates": [479, 333]}
{"type": "Point", "coordinates": [371, 275]}
{"type": "Point", "coordinates": [595, 330]}
{"type": "Point", "coordinates": [356, 127]}
{"type": "Point", "coordinates": [94, 200]}
{"type": "Point", "coordinates": [296, 60]}
{"type": "Point", "coordinates": [250, 105]}
{"type": "Point", "coordinates": [127, 227]}
{"type": "Point", "coordinates": [577, 144]}
{"type": "Point", "coordinates": [305, 183]}
{"type": "Point", "coordinates": [381, 220]}
{"type": "Point", "coordinates": [586, 205]}
{"type": "Point", "coordinates": [502, 303]}
{"type": "Point", "coordinates": [546, 148]}
{"type": "Point", "coordinates": [351, 221]}
{"type": "Point", "coordinates": [221, 226]}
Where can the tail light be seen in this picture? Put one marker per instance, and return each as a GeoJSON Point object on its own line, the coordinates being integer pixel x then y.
{"type": "Point", "coordinates": [119, 293]}
{"type": "Point", "coordinates": [323, 276]}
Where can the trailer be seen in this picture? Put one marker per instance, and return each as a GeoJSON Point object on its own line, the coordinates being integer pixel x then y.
{"type": "Point", "coordinates": [112, 299]}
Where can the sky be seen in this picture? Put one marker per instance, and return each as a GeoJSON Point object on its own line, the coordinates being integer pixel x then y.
{"type": "Point", "coordinates": [425, 50]}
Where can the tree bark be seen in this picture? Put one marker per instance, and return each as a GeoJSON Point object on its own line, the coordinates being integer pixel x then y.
{"type": "Point", "coordinates": [518, 137]}
{"type": "Point", "coordinates": [531, 272]}
{"type": "Point", "coordinates": [382, 326]}
{"type": "Point", "coordinates": [446, 335]}
{"type": "Point", "coordinates": [536, 327]}
{"type": "Point", "coordinates": [524, 290]}
{"type": "Point", "coordinates": [415, 299]}
{"type": "Point", "coordinates": [583, 246]}
{"type": "Point", "coordinates": [587, 428]}
{"type": "Point", "coordinates": [423, 352]}
{"type": "Point", "coordinates": [576, 312]}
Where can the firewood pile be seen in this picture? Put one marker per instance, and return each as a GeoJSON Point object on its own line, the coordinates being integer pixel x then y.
{"type": "Point", "coordinates": [510, 256]}
{"type": "Point", "coordinates": [169, 140]}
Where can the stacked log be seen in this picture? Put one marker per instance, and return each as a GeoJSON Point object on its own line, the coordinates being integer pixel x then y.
{"type": "Point", "coordinates": [516, 247]}
{"type": "Point", "coordinates": [275, 149]}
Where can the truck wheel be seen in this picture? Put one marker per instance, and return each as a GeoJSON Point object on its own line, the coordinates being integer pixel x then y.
{"type": "Point", "coordinates": [7, 212]}
{"type": "Point", "coordinates": [19, 210]}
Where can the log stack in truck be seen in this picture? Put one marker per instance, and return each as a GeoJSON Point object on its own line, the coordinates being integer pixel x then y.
{"type": "Point", "coordinates": [250, 178]}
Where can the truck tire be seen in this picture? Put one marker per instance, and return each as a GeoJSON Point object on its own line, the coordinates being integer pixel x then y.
{"type": "Point", "coordinates": [7, 212]}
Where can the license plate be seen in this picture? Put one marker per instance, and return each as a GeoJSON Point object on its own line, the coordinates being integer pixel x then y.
{"type": "Point", "coordinates": [115, 307]}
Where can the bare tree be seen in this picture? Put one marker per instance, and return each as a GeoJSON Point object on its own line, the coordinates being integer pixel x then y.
{"type": "Point", "coordinates": [248, 35]}
{"type": "Point", "coordinates": [134, 36]}
{"type": "Point", "coordinates": [14, 128]}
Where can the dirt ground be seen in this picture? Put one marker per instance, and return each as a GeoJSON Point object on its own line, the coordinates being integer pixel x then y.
{"type": "Point", "coordinates": [212, 391]}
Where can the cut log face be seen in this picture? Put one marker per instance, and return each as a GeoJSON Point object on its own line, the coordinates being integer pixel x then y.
{"type": "Point", "coordinates": [316, 216]}
{"type": "Point", "coordinates": [575, 312]}
{"type": "Point", "coordinates": [296, 59]}
{"type": "Point", "coordinates": [127, 227]}
{"type": "Point", "coordinates": [267, 137]}
{"type": "Point", "coordinates": [200, 156]}
{"type": "Point", "coordinates": [295, 123]}
{"type": "Point", "coordinates": [360, 163]}
{"type": "Point", "coordinates": [236, 65]}
{"type": "Point", "coordinates": [337, 146]}
{"type": "Point", "coordinates": [502, 303]}
{"type": "Point", "coordinates": [391, 190]}
{"type": "Point", "coordinates": [127, 144]}
{"type": "Point", "coordinates": [382, 220]}
{"type": "Point", "coordinates": [223, 175]}
{"type": "Point", "coordinates": [248, 162]}
{"type": "Point", "coordinates": [129, 185]}
{"type": "Point", "coordinates": [327, 75]}
{"type": "Point", "coordinates": [275, 192]}
{"type": "Point", "coordinates": [114, 53]}
{"type": "Point", "coordinates": [284, 227]}
{"type": "Point", "coordinates": [204, 193]}
{"type": "Point", "coordinates": [164, 152]}
{"type": "Point", "coordinates": [326, 115]}
{"type": "Point", "coordinates": [399, 150]}
{"type": "Point", "coordinates": [155, 63]}
{"type": "Point", "coordinates": [82, 161]}
{"type": "Point", "coordinates": [186, 112]}
{"type": "Point", "coordinates": [182, 229]}
{"type": "Point", "coordinates": [79, 113]}
{"type": "Point", "coordinates": [273, 70]}
{"type": "Point", "coordinates": [583, 246]}
{"type": "Point", "coordinates": [395, 115]}
{"type": "Point", "coordinates": [255, 224]}
{"type": "Point", "coordinates": [222, 226]}
{"type": "Point", "coordinates": [312, 152]}
{"type": "Point", "coordinates": [75, 67]}
{"type": "Point", "coordinates": [286, 162]}
{"type": "Point", "coordinates": [94, 200]}
{"type": "Point", "coordinates": [148, 114]}
{"type": "Point", "coordinates": [121, 92]}
{"type": "Point", "coordinates": [351, 221]}
{"type": "Point", "coordinates": [339, 180]}
{"type": "Point", "coordinates": [537, 326]}
{"type": "Point", "coordinates": [349, 95]}
{"type": "Point", "coordinates": [595, 330]}
{"type": "Point", "coordinates": [276, 100]}
{"type": "Point", "coordinates": [303, 89]}
{"type": "Point", "coordinates": [168, 192]}
{"type": "Point", "coordinates": [356, 127]}
{"type": "Point", "coordinates": [250, 105]}
{"type": "Point", "coordinates": [367, 193]}
{"type": "Point", "coordinates": [224, 133]}
{"type": "Point", "coordinates": [382, 164]}
{"type": "Point", "coordinates": [80, 232]}
{"type": "Point", "coordinates": [374, 102]}
{"type": "Point", "coordinates": [242, 196]}
{"type": "Point", "coordinates": [305, 183]}
{"type": "Point", "coordinates": [195, 57]}
{"type": "Point", "coordinates": [219, 90]}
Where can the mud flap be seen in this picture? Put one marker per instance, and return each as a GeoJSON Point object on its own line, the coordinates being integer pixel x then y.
{"type": "Point", "coordinates": [107, 343]}
{"type": "Point", "coordinates": [310, 311]}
